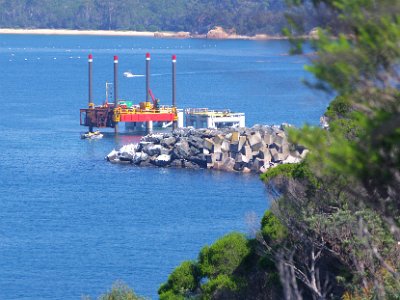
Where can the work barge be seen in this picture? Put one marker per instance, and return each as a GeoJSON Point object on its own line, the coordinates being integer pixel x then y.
{"type": "Point", "coordinates": [148, 113]}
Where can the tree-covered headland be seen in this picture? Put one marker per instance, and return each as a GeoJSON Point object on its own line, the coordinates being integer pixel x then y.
{"type": "Point", "coordinates": [333, 228]}
{"type": "Point", "coordinates": [195, 16]}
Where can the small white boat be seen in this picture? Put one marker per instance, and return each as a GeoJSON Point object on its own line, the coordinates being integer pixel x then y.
{"type": "Point", "coordinates": [92, 135]}
{"type": "Point", "coordinates": [128, 74]}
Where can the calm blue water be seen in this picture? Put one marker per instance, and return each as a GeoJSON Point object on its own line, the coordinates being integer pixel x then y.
{"type": "Point", "coordinates": [70, 223]}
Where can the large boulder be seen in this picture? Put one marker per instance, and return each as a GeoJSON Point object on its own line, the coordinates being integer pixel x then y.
{"type": "Point", "coordinates": [161, 160]}
{"type": "Point", "coordinates": [196, 142]}
{"type": "Point", "coordinates": [152, 150]}
{"type": "Point", "coordinates": [140, 157]}
{"type": "Point", "coordinates": [112, 156]}
{"type": "Point", "coordinates": [200, 160]}
{"type": "Point", "coordinates": [168, 142]}
{"type": "Point", "coordinates": [217, 33]}
{"type": "Point", "coordinates": [181, 149]}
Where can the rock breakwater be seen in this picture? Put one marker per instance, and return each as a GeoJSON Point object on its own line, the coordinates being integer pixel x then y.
{"type": "Point", "coordinates": [246, 150]}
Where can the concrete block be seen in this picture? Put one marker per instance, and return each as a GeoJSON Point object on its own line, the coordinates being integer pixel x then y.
{"type": "Point", "coordinates": [241, 158]}
{"type": "Point", "coordinates": [242, 142]}
{"type": "Point", "coordinates": [235, 137]}
{"type": "Point", "coordinates": [218, 139]}
{"type": "Point", "coordinates": [225, 146]}
{"type": "Point", "coordinates": [264, 168]}
{"type": "Point", "coordinates": [213, 157]}
{"type": "Point", "coordinates": [278, 138]}
{"type": "Point", "coordinates": [283, 156]}
{"type": "Point", "coordinates": [224, 156]}
{"type": "Point", "coordinates": [246, 170]}
{"type": "Point", "coordinates": [292, 160]}
{"type": "Point", "coordinates": [285, 145]}
{"type": "Point", "coordinates": [257, 164]}
{"type": "Point", "coordinates": [216, 148]}
{"type": "Point", "coordinates": [267, 138]}
{"type": "Point", "coordinates": [256, 147]}
{"type": "Point", "coordinates": [304, 153]}
{"type": "Point", "coordinates": [275, 146]}
{"type": "Point", "coordinates": [265, 155]}
{"type": "Point", "coordinates": [217, 165]}
{"type": "Point", "coordinates": [228, 164]}
{"type": "Point", "coordinates": [208, 144]}
{"type": "Point", "coordinates": [274, 154]}
{"type": "Point", "coordinates": [234, 147]}
{"type": "Point", "coordinates": [238, 166]}
{"type": "Point", "coordinates": [254, 138]}
{"type": "Point", "coordinates": [246, 150]}
{"type": "Point", "coordinates": [217, 156]}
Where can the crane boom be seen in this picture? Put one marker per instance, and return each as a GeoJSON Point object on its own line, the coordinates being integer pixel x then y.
{"type": "Point", "coordinates": [152, 97]}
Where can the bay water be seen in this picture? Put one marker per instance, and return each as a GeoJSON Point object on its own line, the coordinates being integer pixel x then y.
{"type": "Point", "coordinates": [71, 223]}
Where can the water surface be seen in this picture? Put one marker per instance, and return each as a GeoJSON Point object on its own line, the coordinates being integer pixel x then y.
{"type": "Point", "coordinates": [71, 223]}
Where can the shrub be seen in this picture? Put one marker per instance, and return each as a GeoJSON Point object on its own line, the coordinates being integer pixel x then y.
{"type": "Point", "coordinates": [183, 281]}
{"type": "Point", "coordinates": [224, 256]}
{"type": "Point", "coordinates": [272, 229]}
{"type": "Point", "coordinates": [120, 291]}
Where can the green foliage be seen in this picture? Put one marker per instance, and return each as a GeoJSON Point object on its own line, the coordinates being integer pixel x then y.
{"type": "Point", "coordinates": [222, 272]}
{"type": "Point", "coordinates": [356, 162]}
{"type": "Point", "coordinates": [182, 282]}
{"type": "Point", "coordinates": [339, 108]}
{"type": "Point", "coordinates": [300, 171]}
{"type": "Point", "coordinates": [120, 291]}
{"type": "Point", "coordinates": [245, 17]}
{"type": "Point", "coordinates": [224, 256]}
{"type": "Point", "coordinates": [272, 229]}
{"type": "Point", "coordinates": [222, 283]}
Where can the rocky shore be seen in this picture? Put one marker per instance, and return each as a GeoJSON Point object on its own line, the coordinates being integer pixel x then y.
{"type": "Point", "coordinates": [245, 150]}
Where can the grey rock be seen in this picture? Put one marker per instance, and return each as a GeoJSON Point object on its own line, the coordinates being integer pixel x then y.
{"type": "Point", "coordinates": [200, 160]}
{"type": "Point", "coordinates": [181, 149]}
{"type": "Point", "coordinates": [196, 142]}
{"type": "Point", "coordinates": [124, 156]}
{"type": "Point", "coordinates": [161, 160]}
{"type": "Point", "coordinates": [208, 143]}
{"type": "Point", "coordinates": [140, 157]}
{"type": "Point", "coordinates": [168, 142]}
{"type": "Point", "coordinates": [152, 149]}
{"type": "Point", "coordinates": [113, 155]}
{"type": "Point", "coordinates": [165, 151]}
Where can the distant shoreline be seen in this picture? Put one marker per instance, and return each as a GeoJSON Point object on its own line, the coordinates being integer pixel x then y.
{"type": "Point", "coordinates": [158, 34]}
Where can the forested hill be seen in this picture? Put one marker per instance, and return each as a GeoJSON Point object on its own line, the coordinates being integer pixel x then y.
{"type": "Point", "coordinates": [196, 16]}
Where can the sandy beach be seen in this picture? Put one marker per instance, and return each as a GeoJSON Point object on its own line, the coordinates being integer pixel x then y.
{"type": "Point", "coordinates": [75, 32]}
{"type": "Point", "coordinates": [133, 33]}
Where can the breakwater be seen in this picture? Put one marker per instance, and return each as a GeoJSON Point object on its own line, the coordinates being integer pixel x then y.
{"type": "Point", "coordinates": [246, 150]}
